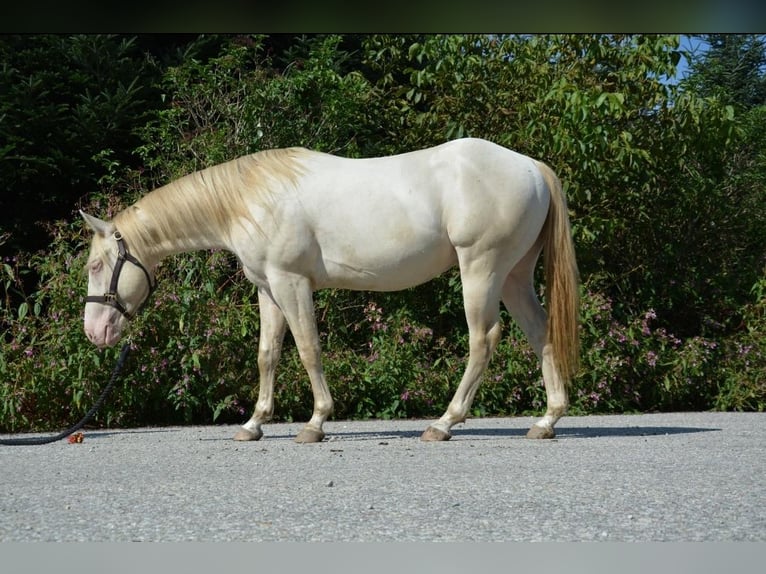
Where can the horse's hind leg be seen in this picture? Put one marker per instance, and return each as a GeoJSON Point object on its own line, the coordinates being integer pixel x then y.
{"type": "Point", "coordinates": [273, 327]}
{"type": "Point", "coordinates": [521, 301]}
{"type": "Point", "coordinates": [482, 309]}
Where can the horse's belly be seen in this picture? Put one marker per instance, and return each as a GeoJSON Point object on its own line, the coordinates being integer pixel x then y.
{"type": "Point", "coordinates": [388, 266]}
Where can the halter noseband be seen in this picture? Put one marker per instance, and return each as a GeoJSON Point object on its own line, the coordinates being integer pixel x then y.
{"type": "Point", "coordinates": [111, 297]}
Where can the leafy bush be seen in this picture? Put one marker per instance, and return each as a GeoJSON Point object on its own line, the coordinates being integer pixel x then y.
{"type": "Point", "coordinates": [639, 365]}
{"type": "Point", "coordinates": [64, 100]}
{"type": "Point", "coordinates": [665, 190]}
{"type": "Point", "coordinates": [742, 374]}
{"type": "Point", "coordinates": [45, 362]}
{"type": "Point", "coordinates": [195, 359]}
{"type": "Point", "coordinates": [187, 363]}
{"type": "Point", "coordinates": [237, 103]}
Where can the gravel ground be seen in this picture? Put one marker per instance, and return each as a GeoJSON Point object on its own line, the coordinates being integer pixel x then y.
{"type": "Point", "coordinates": [659, 477]}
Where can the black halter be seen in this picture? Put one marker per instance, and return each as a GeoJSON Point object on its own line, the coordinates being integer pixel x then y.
{"type": "Point", "coordinates": [111, 297]}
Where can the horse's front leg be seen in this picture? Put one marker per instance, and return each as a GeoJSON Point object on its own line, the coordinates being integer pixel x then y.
{"type": "Point", "coordinates": [294, 295]}
{"type": "Point", "coordinates": [273, 327]}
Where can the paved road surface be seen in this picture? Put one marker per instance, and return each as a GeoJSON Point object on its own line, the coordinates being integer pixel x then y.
{"type": "Point", "coordinates": [663, 477]}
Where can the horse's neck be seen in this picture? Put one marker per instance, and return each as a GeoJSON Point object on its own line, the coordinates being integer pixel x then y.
{"type": "Point", "coordinates": [155, 238]}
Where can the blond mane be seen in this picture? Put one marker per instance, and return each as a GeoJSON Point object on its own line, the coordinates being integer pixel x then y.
{"type": "Point", "coordinates": [206, 202]}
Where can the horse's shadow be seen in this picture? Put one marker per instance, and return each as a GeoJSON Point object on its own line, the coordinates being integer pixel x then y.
{"type": "Point", "coordinates": [638, 431]}
{"type": "Point", "coordinates": [564, 432]}
{"type": "Point", "coordinates": [479, 433]}
{"type": "Point", "coordinates": [473, 433]}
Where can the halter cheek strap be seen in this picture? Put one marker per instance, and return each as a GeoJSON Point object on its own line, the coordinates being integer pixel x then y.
{"type": "Point", "coordinates": [111, 297]}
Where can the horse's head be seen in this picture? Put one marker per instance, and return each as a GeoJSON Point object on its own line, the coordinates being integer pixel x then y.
{"type": "Point", "coordinates": [118, 284]}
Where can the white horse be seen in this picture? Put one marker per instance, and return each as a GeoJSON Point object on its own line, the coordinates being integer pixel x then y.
{"type": "Point", "coordinates": [300, 220]}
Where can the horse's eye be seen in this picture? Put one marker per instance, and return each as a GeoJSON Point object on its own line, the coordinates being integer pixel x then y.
{"type": "Point", "coordinates": [96, 266]}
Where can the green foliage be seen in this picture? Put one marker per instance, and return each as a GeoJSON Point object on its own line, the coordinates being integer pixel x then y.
{"type": "Point", "coordinates": [63, 100]}
{"type": "Point", "coordinates": [178, 372]}
{"type": "Point", "coordinates": [639, 365]}
{"type": "Point", "coordinates": [636, 155]}
{"type": "Point", "coordinates": [731, 69]}
{"type": "Point", "coordinates": [742, 376]}
{"type": "Point", "coordinates": [198, 346]}
{"type": "Point", "coordinates": [237, 103]}
{"type": "Point", "coordinates": [45, 364]}
{"type": "Point", "coordinates": [665, 185]}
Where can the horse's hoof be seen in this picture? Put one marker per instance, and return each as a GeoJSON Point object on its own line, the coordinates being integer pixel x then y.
{"type": "Point", "coordinates": [245, 434]}
{"type": "Point", "coordinates": [541, 432]}
{"type": "Point", "coordinates": [432, 434]}
{"type": "Point", "coordinates": [308, 435]}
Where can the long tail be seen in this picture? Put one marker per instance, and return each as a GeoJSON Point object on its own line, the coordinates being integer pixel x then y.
{"type": "Point", "coordinates": [562, 281]}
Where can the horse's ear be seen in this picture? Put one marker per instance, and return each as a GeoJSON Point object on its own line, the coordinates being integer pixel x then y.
{"type": "Point", "coordinates": [101, 227]}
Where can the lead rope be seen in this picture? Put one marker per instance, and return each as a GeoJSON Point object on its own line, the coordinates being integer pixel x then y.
{"type": "Point", "coordinates": [104, 394]}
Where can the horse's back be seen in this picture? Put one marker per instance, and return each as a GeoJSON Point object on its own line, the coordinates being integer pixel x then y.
{"type": "Point", "coordinates": [466, 173]}
{"type": "Point", "coordinates": [468, 190]}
